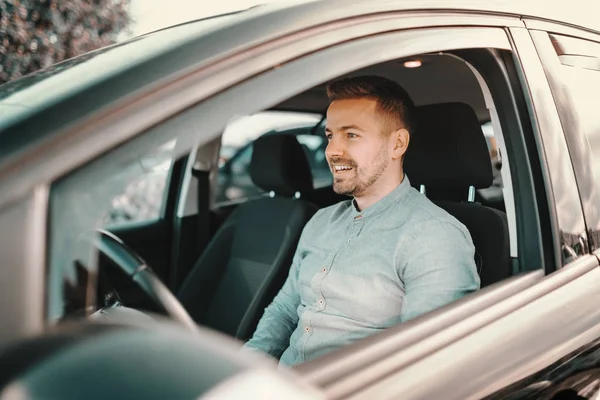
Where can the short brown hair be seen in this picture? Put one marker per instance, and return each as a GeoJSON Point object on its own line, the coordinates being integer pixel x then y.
{"type": "Point", "coordinates": [391, 98]}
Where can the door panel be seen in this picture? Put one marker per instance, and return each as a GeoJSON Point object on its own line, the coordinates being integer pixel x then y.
{"type": "Point", "coordinates": [524, 342]}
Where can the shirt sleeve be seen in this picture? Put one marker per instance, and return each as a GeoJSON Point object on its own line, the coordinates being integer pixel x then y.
{"type": "Point", "coordinates": [437, 267]}
{"type": "Point", "coordinates": [280, 319]}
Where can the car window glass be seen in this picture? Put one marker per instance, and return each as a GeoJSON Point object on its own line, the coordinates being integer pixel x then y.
{"type": "Point", "coordinates": [117, 188]}
{"type": "Point", "coordinates": [583, 83]}
{"type": "Point", "coordinates": [234, 180]}
{"type": "Point", "coordinates": [142, 188]}
{"type": "Point", "coordinates": [578, 80]}
{"type": "Point", "coordinates": [241, 164]}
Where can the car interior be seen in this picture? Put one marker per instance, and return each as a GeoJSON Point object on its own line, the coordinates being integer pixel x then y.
{"type": "Point", "coordinates": [226, 261]}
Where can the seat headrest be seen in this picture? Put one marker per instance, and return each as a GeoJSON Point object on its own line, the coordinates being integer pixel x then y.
{"type": "Point", "coordinates": [448, 149]}
{"type": "Point", "coordinates": [279, 164]}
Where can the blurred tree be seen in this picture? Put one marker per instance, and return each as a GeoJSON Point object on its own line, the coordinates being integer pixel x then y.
{"type": "Point", "coordinates": [35, 34]}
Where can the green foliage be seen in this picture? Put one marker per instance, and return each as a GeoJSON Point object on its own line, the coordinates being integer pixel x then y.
{"type": "Point", "coordinates": [35, 34]}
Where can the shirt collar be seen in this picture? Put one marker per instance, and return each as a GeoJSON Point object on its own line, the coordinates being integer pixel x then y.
{"type": "Point", "coordinates": [392, 198]}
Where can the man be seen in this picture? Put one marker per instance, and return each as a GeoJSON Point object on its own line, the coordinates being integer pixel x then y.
{"type": "Point", "coordinates": [384, 257]}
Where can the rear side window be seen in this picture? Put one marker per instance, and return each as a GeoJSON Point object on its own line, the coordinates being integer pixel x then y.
{"type": "Point", "coordinates": [576, 77]}
{"type": "Point", "coordinates": [580, 73]}
{"type": "Point", "coordinates": [234, 181]}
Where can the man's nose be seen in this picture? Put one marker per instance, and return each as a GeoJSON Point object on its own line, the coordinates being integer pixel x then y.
{"type": "Point", "coordinates": [334, 149]}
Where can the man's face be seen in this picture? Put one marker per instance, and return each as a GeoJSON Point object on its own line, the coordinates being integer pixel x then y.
{"type": "Point", "coordinates": [359, 150]}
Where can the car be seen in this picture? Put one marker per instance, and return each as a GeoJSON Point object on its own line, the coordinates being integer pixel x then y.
{"type": "Point", "coordinates": [158, 305]}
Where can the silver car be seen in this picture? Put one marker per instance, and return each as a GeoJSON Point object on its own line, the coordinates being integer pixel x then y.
{"type": "Point", "coordinates": [157, 305]}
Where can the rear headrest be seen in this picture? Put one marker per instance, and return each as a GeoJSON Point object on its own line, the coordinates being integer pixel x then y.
{"type": "Point", "coordinates": [448, 149]}
{"type": "Point", "coordinates": [279, 164]}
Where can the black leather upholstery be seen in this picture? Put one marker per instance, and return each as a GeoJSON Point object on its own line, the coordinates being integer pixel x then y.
{"type": "Point", "coordinates": [447, 154]}
{"type": "Point", "coordinates": [248, 259]}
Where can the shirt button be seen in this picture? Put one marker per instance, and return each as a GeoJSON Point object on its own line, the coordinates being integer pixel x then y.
{"type": "Point", "coordinates": [324, 270]}
{"type": "Point", "coordinates": [321, 301]}
{"type": "Point", "coordinates": [307, 328]}
{"type": "Point", "coordinates": [348, 241]}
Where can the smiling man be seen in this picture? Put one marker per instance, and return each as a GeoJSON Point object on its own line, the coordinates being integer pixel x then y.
{"type": "Point", "coordinates": [381, 258]}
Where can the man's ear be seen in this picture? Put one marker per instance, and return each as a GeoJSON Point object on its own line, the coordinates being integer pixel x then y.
{"type": "Point", "coordinates": [401, 140]}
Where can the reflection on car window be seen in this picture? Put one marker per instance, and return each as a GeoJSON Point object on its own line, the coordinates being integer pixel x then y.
{"type": "Point", "coordinates": [582, 83]}
{"type": "Point", "coordinates": [144, 188]}
{"type": "Point", "coordinates": [115, 188]}
{"type": "Point", "coordinates": [234, 181]}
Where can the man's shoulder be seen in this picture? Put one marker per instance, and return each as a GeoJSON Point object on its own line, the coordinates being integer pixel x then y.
{"type": "Point", "coordinates": [425, 213]}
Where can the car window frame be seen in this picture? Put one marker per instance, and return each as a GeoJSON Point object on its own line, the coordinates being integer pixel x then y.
{"type": "Point", "coordinates": [428, 39]}
{"type": "Point", "coordinates": [243, 105]}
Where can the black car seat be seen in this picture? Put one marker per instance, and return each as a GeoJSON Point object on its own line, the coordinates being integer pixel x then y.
{"type": "Point", "coordinates": [448, 160]}
{"type": "Point", "coordinates": [248, 259]}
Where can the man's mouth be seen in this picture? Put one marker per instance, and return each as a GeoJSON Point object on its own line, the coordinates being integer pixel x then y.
{"type": "Point", "coordinates": [340, 169]}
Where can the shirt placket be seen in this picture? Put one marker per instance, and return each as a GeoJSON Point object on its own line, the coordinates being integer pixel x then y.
{"type": "Point", "coordinates": [317, 282]}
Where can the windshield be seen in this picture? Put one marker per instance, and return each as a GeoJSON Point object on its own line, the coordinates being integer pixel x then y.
{"type": "Point", "coordinates": [58, 81]}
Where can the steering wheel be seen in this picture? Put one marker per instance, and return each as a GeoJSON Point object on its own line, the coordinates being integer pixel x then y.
{"type": "Point", "coordinates": [137, 270]}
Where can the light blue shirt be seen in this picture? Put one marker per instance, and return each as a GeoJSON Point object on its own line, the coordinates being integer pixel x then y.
{"type": "Point", "coordinates": [357, 273]}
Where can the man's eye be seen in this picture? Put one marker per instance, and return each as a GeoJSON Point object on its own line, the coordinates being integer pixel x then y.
{"type": "Point", "coordinates": [329, 136]}
{"type": "Point", "coordinates": [352, 135]}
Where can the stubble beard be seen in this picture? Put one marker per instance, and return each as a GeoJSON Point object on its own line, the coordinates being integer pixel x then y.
{"type": "Point", "coordinates": [363, 177]}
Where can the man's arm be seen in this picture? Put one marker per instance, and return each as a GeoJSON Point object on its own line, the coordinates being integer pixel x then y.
{"type": "Point", "coordinates": [272, 335]}
{"type": "Point", "coordinates": [437, 267]}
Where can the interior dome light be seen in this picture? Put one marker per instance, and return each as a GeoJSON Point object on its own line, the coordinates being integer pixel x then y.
{"type": "Point", "coordinates": [412, 64]}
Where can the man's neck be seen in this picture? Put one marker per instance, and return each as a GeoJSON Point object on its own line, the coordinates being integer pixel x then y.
{"type": "Point", "coordinates": [378, 191]}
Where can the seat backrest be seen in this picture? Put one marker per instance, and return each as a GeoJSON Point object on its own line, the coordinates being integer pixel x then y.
{"type": "Point", "coordinates": [448, 156]}
{"type": "Point", "coordinates": [248, 259]}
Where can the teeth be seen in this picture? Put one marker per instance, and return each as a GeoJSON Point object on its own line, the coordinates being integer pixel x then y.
{"type": "Point", "coordinates": [342, 168]}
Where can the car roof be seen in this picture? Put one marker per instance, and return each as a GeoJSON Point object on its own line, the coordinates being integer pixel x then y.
{"type": "Point", "coordinates": [171, 51]}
